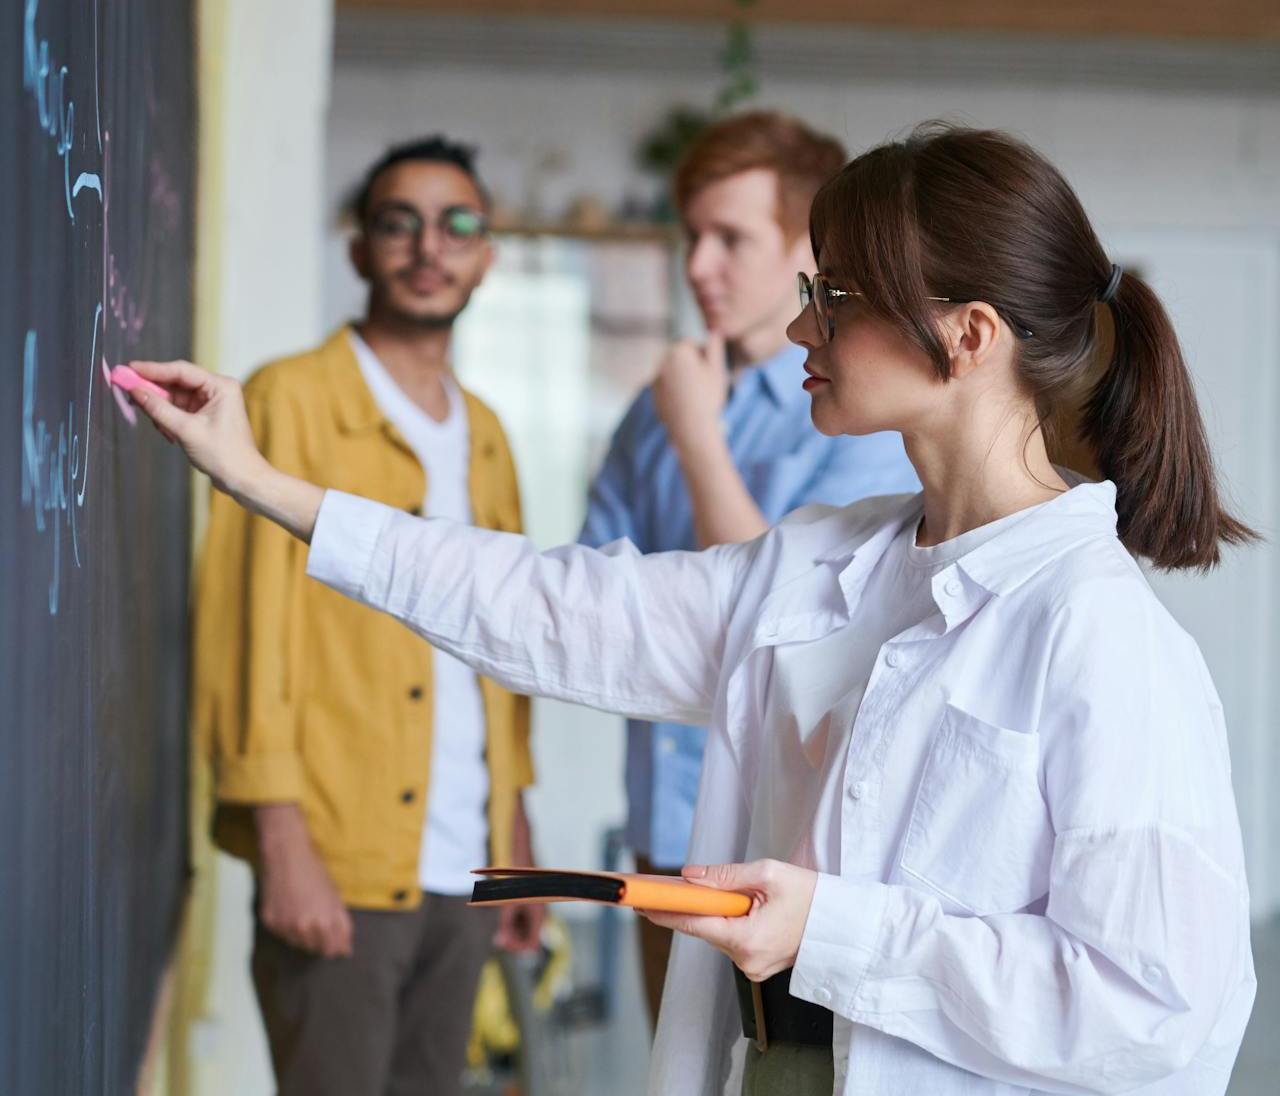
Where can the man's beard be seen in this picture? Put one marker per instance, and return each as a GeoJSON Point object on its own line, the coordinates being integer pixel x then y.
{"type": "Point", "coordinates": [440, 321]}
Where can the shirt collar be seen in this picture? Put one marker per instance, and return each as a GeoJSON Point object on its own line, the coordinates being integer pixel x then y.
{"type": "Point", "coordinates": [1086, 511]}
{"type": "Point", "coordinates": [780, 375]}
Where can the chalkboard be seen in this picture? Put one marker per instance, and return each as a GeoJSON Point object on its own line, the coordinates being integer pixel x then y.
{"type": "Point", "coordinates": [96, 158]}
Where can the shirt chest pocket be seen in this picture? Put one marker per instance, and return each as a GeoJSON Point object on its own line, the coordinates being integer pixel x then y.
{"type": "Point", "coordinates": [979, 835]}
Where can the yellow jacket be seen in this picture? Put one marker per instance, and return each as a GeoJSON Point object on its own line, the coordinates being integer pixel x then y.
{"type": "Point", "coordinates": [300, 695]}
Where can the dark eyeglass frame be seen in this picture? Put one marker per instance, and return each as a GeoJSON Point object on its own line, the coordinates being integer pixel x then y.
{"type": "Point", "coordinates": [446, 222]}
{"type": "Point", "coordinates": [819, 293]}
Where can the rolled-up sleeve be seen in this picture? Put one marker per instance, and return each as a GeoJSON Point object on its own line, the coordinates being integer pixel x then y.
{"type": "Point", "coordinates": [639, 635]}
{"type": "Point", "coordinates": [1143, 939]}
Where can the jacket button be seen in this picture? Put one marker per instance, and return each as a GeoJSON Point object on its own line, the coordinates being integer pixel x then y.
{"type": "Point", "coordinates": [400, 895]}
{"type": "Point", "coordinates": [408, 795]}
{"type": "Point", "coordinates": [415, 693]}
{"type": "Point", "coordinates": [488, 449]}
{"type": "Point", "coordinates": [892, 659]}
{"type": "Point", "coordinates": [415, 511]}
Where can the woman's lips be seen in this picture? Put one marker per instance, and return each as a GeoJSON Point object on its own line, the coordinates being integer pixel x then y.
{"type": "Point", "coordinates": [813, 380]}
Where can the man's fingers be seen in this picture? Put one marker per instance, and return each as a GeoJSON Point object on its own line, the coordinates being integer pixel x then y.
{"type": "Point", "coordinates": [527, 929]}
{"type": "Point", "coordinates": [300, 934]}
{"type": "Point", "coordinates": [342, 933]}
{"type": "Point", "coordinates": [515, 928]}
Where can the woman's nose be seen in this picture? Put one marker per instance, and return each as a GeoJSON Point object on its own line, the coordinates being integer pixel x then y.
{"type": "Point", "coordinates": [803, 331]}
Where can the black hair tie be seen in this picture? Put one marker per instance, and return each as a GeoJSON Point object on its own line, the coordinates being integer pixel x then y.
{"type": "Point", "coordinates": [1112, 285]}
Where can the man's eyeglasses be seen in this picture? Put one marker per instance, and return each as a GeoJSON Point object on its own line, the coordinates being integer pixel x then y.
{"type": "Point", "coordinates": [820, 295]}
{"type": "Point", "coordinates": [399, 228]}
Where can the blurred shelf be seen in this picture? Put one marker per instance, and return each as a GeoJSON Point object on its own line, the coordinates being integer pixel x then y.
{"type": "Point", "coordinates": [620, 232]}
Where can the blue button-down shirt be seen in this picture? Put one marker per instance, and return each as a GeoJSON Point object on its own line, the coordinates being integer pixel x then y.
{"type": "Point", "coordinates": [640, 494]}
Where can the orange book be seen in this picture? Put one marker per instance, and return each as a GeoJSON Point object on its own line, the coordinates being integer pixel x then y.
{"type": "Point", "coordinates": [504, 886]}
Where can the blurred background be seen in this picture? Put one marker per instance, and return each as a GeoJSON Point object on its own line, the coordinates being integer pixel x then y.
{"type": "Point", "coordinates": [1164, 116]}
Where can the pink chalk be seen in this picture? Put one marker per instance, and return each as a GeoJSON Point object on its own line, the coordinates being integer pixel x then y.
{"type": "Point", "coordinates": [132, 381]}
{"type": "Point", "coordinates": [118, 394]}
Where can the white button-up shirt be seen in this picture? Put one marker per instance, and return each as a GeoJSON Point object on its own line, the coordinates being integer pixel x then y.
{"type": "Point", "coordinates": [1041, 885]}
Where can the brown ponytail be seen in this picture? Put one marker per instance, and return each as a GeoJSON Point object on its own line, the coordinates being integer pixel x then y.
{"type": "Point", "coordinates": [977, 215]}
{"type": "Point", "coordinates": [1144, 426]}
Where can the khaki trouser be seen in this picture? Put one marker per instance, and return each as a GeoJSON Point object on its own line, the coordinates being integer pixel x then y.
{"type": "Point", "coordinates": [391, 1020]}
{"type": "Point", "coordinates": [788, 1069]}
{"type": "Point", "coordinates": [785, 1069]}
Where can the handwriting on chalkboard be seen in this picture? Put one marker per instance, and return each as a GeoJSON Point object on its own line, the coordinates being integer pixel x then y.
{"type": "Point", "coordinates": [54, 462]}
{"type": "Point", "coordinates": [56, 111]}
{"type": "Point", "coordinates": [55, 449]}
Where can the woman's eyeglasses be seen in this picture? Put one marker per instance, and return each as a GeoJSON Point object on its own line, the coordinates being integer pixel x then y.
{"type": "Point", "coordinates": [399, 227]}
{"type": "Point", "coordinates": [819, 294]}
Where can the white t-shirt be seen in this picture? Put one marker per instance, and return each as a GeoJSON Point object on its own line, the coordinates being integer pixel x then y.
{"type": "Point", "coordinates": [455, 835]}
{"type": "Point", "coordinates": [828, 683]}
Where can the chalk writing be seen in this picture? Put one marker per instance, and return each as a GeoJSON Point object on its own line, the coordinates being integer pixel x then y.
{"type": "Point", "coordinates": [87, 179]}
{"type": "Point", "coordinates": [122, 304]}
{"type": "Point", "coordinates": [55, 110]}
{"type": "Point", "coordinates": [55, 466]}
{"type": "Point", "coordinates": [56, 450]}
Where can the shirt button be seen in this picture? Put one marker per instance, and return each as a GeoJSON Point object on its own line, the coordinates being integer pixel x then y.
{"type": "Point", "coordinates": [1152, 974]}
{"type": "Point", "coordinates": [408, 795]}
{"type": "Point", "coordinates": [952, 588]}
{"type": "Point", "coordinates": [400, 896]}
{"type": "Point", "coordinates": [892, 659]}
{"type": "Point", "coordinates": [415, 693]}
{"type": "Point", "coordinates": [822, 995]}
{"type": "Point", "coordinates": [667, 744]}
{"type": "Point", "coordinates": [858, 789]}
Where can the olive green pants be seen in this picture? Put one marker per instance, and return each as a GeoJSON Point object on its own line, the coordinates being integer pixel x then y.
{"type": "Point", "coordinates": [788, 1069]}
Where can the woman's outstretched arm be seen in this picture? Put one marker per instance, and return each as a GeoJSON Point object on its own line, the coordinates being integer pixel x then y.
{"type": "Point", "coordinates": [639, 635]}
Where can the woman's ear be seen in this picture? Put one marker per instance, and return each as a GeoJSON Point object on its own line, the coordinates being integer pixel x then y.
{"type": "Point", "coordinates": [972, 332]}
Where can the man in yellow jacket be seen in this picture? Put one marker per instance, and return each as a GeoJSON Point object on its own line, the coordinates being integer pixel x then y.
{"type": "Point", "coordinates": [360, 772]}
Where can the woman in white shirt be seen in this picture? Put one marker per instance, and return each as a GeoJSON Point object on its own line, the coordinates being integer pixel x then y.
{"type": "Point", "coordinates": [975, 775]}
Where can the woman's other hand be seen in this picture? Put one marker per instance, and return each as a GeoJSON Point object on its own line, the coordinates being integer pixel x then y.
{"type": "Point", "coordinates": [764, 941]}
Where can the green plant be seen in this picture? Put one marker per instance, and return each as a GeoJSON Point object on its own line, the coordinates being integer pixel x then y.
{"type": "Point", "coordinates": [663, 146]}
{"type": "Point", "coordinates": [738, 61]}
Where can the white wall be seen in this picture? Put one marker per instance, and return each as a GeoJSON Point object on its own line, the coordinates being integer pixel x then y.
{"type": "Point", "coordinates": [263, 92]}
{"type": "Point", "coordinates": [1168, 175]}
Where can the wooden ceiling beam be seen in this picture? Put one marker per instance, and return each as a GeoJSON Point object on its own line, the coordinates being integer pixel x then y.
{"type": "Point", "coordinates": [1256, 20]}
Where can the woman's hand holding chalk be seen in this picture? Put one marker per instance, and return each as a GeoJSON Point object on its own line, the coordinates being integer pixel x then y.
{"type": "Point", "coordinates": [206, 416]}
{"type": "Point", "coordinates": [203, 413]}
{"type": "Point", "coordinates": [122, 376]}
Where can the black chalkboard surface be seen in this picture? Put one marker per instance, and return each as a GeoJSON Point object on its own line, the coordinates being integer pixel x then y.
{"type": "Point", "coordinates": [96, 158]}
